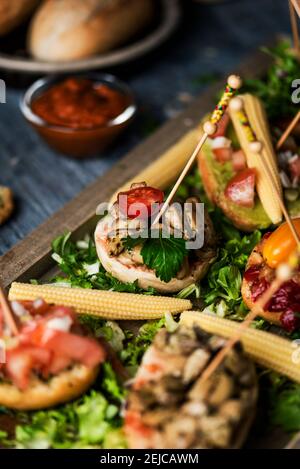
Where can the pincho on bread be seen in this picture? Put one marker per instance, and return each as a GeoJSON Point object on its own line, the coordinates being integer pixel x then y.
{"type": "Point", "coordinates": [275, 248]}
{"type": "Point", "coordinates": [163, 264]}
{"type": "Point", "coordinates": [233, 173]}
{"type": "Point", "coordinates": [49, 361]}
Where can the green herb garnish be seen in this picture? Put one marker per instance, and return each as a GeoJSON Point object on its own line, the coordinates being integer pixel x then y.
{"type": "Point", "coordinates": [276, 89]}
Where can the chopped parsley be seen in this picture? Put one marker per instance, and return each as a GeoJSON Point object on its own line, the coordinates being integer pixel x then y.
{"type": "Point", "coordinates": [164, 255]}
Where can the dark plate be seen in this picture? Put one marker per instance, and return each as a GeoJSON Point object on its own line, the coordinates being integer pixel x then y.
{"type": "Point", "coordinates": [13, 56]}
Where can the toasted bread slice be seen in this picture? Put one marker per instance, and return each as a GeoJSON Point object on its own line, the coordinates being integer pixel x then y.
{"type": "Point", "coordinates": [215, 177]}
{"type": "Point", "coordinates": [64, 387]}
{"type": "Point", "coordinates": [256, 258]}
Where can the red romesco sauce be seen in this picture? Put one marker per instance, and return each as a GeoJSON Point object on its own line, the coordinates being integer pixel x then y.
{"type": "Point", "coordinates": [79, 103]}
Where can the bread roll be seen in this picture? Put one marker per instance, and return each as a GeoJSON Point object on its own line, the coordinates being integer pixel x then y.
{"type": "Point", "coordinates": [64, 387]}
{"type": "Point", "coordinates": [6, 203]}
{"type": "Point", "coordinates": [65, 30]}
{"type": "Point", "coordinates": [13, 12]}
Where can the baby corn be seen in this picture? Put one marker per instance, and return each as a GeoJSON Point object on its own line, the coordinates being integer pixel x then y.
{"type": "Point", "coordinates": [258, 121]}
{"type": "Point", "coordinates": [105, 304]}
{"type": "Point", "coordinates": [269, 350]}
{"type": "Point", "coordinates": [162, 172]}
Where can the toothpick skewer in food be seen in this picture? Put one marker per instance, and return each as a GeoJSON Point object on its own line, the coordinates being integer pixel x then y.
{"type": "Point", "coordinates": [294, 26]}
{"type": "Point", "coordinates": [8, 313]}
{"type": "Point", "coordinates": [210, 127]}
{"type": "Point", "coordinates": [296, 6]}
{"type": "Point", "coordinates": [283, 274]}
{"type": "Point", "coordinates": [284, 271]}
{"type": "Point", "coordinates": [288, 131]}
{"type": "Point", "coordinates": [256, 146]}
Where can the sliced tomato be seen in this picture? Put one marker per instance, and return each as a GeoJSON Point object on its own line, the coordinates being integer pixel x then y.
{"type": "Point", "coordinates": [222, 126]}
{"type": "Point", "coordinates": [138, 202]}
{"type": "Point", "coordinates": [78, 348]}
{"type": "Point", "coordinates": [60, 312]}
{"type": "Point", "coordinates": [58, 363]}
{"type": "Point", "coordinates": [239, 160]}
{"type": "Point", "coordinates": [65, 344]}
{"type": "Point", "coordinates": [23, 360]}
{"type": "Point", "coordinates": [1, 323]}
{"type": "Point", "coordinates": [34, 331]}
{"type": "Point", "coordinates": [241, 188]}
{"type": "Point", "coordinates": [223, 154]}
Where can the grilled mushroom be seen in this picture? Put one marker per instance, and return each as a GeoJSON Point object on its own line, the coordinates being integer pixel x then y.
{"type": "Point", "coordinates": [169, 406]}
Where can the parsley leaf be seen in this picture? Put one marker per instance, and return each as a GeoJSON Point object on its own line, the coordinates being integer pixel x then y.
{"type": "Point", "coordinates": [164, 255]}
{"type": "Point", "coordinates": [275, 90]}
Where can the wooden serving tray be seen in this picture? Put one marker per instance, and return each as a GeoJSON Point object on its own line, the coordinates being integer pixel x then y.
{"type": "Point", "coordinates": [31, 258]}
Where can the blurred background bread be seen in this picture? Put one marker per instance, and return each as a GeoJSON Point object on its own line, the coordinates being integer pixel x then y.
{"type": "Point", "coordinates": [65, 30]}
{"type": "Point", "coordinates": [13, 12]}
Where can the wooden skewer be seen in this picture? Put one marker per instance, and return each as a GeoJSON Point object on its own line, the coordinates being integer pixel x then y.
{"type": "Point", "coordinates": [256, 310]}
{"type": "Point", "coordinates": [281, 203]}
{"type": "Point", "coordinates": [210, 128]}
{"type": "Point", "coordinates": [288, 131]}
{"type": "Point", "coordinates": [296, 5]}
{"type": "Point", "coordinates": [8, 313]}
{"type": "Point", "coordinates": [256, 147]}
{"type": "Point", "coordinates": [294, 26]}
{"type": "Point", "coordinates": [276, 284]}
{"type": "Point", "coordinates": [181, 178]}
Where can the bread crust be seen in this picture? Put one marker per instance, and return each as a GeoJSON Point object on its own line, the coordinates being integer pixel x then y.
{"type": "Point", "coordinates": [65, 30]}
{"type": "Point", "coordinates": [257, 259]}
{"type": "Point", "coordinates": [13, 12]}
{"type": "Point", "coordinates": [145, 277]}
{"type": "Point", "coordinates": [211, 188]}
{"type": "Point", "coordinates": [218, 197]}
{"type": "Point", "coordinates": [64, 387]}
{"type": "Point", "coordinates": [6, 203]}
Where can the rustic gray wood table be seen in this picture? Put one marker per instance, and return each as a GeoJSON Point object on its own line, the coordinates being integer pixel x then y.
{"type": "Point", "coordinates": [211, 40]}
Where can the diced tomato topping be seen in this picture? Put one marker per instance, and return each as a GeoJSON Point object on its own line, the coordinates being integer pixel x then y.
{"type": "Point", "coordinates": [239, 160]}
{"type": "Point", "coordinates": [62, 311]}
{"type": "Point", "coordinates": [79, 349]}
{"type": "Point", "coordinates": [222, 126]}
{"type": "Point", "coordinates": [34, 331]}
{"type": "Point", "coordinates": [223, 154]}
{"type": "Point", "coordinates": [241, 188]}
{"type": "Point", "coordinates": [1, 323]}
{"type": "Point", "coordinates": [47, 345]}
{"type": "Point", "coordinates": [294, 167]}
{"type": "Point", "coordinates": [58, 363]}
{"type": "Point", "coordinates": [144, 196]}
{"type": "Point", "coordinates": [22, 360]}
{"type": "Point", "coordinates": [38, 306]}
